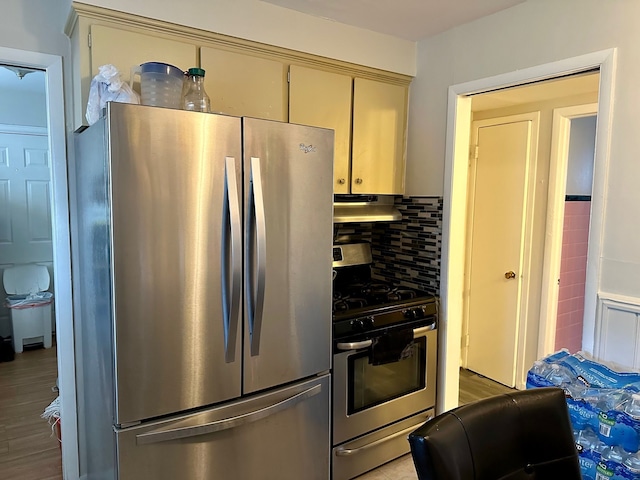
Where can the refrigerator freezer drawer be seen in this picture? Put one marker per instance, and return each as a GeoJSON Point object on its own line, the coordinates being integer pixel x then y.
{"type": "Point", "coordinates": [358, 456]}
{"type": "Point", "coordinates": [282, 434]}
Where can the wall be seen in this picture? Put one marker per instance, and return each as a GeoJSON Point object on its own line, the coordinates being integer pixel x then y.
{"type": "Point", "coordinates": [581, 150]}
{"type": "Point", "coordinates": [22, 108]}
{"type": "Point", "coordinates": [262, 22]}
{"type": "Point", "coordinates": [34, 25]}
{"type": "Point", "coordinates": [573, 271]}
{"type": "Point", "coordinates": [530, 34]}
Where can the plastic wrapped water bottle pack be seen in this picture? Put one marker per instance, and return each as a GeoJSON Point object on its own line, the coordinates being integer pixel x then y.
{"type": "Point", "coordinates": [604, 406]}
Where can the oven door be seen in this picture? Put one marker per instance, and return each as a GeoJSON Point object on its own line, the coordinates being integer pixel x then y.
{"type": "Point", "coordinates": [367, 397]}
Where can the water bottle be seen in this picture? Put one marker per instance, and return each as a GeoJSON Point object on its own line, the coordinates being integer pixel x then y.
{"type": "Point", "coordinates": [582, 415]}
{"type": "Point", "coordinates": [559, 375]}
{"type": "Point", "coordinates": [615, 454]}
{"type": "Point", "coordinates": [195, 98]}
{"type": "Point", "coordinates": [536, 377]}
{"type": "Point", "coordinates": [632, 407]}
{"type": "Point", "coordinates": [587, 439]}
{"type": "Point", "coordinates": [540, 368]}
{"type": "Point", "coordinates": [632, 467]}
{"type": "Point", "coordinates": [611, 465]}
{"type": "Point", "coordinates": [588, 460]}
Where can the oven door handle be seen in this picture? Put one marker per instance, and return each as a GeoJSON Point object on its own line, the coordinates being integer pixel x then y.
{"type": "Point", "coordinates": [346, 452]}
{"type": "Point", "coordinates": [354, 345]}
{"type": "Point", "coordinates": [421, 331]}
{"type": "Point", "coordinates": [417, 332]}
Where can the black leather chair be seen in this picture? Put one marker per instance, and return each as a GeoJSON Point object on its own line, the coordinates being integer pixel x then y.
{"type": "Point", "coordinates": [515, 436]}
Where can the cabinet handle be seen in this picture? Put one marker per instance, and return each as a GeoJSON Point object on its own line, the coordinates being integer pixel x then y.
{"type": "Point", "coordinates": [341, 181]}
{"type": "Point", "coordinates": [358, 181]}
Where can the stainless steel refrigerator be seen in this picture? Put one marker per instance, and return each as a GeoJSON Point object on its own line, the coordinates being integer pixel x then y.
{"type": "Point", "coordinates": [202, 296]}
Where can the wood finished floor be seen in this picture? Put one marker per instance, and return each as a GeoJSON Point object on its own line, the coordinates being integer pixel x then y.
{"type": "Point", "coordinates": [472, 387]}
{"type": "Point", "coordinates": [28, 451]}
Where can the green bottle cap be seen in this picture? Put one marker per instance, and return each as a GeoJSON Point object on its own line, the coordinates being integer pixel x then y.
{"type": "Point", "coordinates": [196, 71]}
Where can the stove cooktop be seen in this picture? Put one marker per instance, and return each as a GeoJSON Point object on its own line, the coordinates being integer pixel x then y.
{"type": "Point", "coordinates": [366, 308]}
{"type": "Point", "coordinates": [371, 296]}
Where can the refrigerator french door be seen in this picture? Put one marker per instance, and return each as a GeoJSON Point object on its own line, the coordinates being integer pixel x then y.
{"type": "Point", "coordinates": [203, 279]}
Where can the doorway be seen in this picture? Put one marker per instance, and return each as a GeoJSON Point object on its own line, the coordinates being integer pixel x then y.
{"type": "Point", "coordinates": [503, 332]}
{"type": "Point", "coordinates": [456, 202]}
{"type": "Point", "coordinates": [570, 191]}
{"type": "Point", "coordinates": [57, 196]}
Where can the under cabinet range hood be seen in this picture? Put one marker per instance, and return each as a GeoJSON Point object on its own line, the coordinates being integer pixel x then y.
{"type": "Point", "coordinates": [365, 208]}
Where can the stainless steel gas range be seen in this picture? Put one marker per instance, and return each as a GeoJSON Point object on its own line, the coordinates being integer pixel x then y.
{"type": "Point", "coordinates": [384, 363]}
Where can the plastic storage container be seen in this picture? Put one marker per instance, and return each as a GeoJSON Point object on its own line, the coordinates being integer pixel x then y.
{"type": "Point", "coordinates": [195, 97]}
{"type": "Point", "coordinates": [160, 84]}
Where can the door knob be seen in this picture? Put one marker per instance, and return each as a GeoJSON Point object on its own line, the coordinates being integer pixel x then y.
{"type": "Point", "coordinates": [509, 275]}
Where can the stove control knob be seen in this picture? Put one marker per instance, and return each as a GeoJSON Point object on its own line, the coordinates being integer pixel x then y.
{"type": "Point", "coordinates": [358, 325]}
{"type": "Point", "coordinates": [367, 322]}
{"type": "Point", "coordinates": [414, 314]}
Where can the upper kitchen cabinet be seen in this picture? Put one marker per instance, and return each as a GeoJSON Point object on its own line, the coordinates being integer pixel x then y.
{"type": "Point", "coordinates": [370, 120]}
{"type": "Point", "coordinates": [379, 137]}
{"type": "Point", "coordinates": [365, 106]}
{"type": "Point", "coordinates": [95, 44]}
{"type": "Point", "coordinates": [245, 85]}
{"type": "Point", "coordinates": [323, 99]}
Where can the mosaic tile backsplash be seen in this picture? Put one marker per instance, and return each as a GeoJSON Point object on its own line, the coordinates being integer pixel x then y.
{"type": "Point", "coordinates": [406, 252]}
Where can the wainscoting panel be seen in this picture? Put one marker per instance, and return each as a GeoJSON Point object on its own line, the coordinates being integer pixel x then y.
{"type": "Point", "coordinates": [617, 336]}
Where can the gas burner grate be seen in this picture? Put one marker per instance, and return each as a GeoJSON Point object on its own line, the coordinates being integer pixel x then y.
{"type": "Point", "coordinates": [373, 294]}
{"type": "Point", "coordinates": [348, 303]}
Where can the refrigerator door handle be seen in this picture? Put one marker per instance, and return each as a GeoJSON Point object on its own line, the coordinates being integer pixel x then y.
{"type": "Point", "coordinates": [226, 423]}
{"type": "Point", "coordinates": [231, 303]}
{"type": "Point", "coordinates": [255, 300]}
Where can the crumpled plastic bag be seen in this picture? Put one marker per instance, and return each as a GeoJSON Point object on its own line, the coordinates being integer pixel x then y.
{"type": "Point", "coordinates": [52, 415]}
{"type": "Point", "coordinates": [107, 86]}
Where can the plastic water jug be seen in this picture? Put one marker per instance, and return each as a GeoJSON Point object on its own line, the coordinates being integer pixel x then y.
{"type": "Point", "coordinates": [160, 84]}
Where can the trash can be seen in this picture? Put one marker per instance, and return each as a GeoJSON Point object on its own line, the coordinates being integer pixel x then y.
{"type": "Point", "coordinates": [29, 304]}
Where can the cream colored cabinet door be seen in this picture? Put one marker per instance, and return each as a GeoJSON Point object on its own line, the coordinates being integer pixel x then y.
{"type": "Point", "coordinates": [243, 85]}
{"type": "Point", "coordinates": [379, 126]}
{"type": "Point", "coordinates": [125, 49]}
{"type": "Point", "coordinates": [323, 99]}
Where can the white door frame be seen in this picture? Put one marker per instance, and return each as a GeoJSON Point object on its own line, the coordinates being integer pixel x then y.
{"type": "Point", "coordinates": [455, 201]}
{"type": "Point", "coordinates": [52, 65]}
{"type": "Point", "coordinates": [559, 161]}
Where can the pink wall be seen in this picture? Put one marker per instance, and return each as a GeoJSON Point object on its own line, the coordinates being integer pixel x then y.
{"type": "Point", "coordinates": [572, 275]}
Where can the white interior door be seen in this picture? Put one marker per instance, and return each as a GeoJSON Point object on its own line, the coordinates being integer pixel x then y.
{"type": "Point", "coordinates": [497, 226]}
{"type": "Point", "coordinates": [25, 204]}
